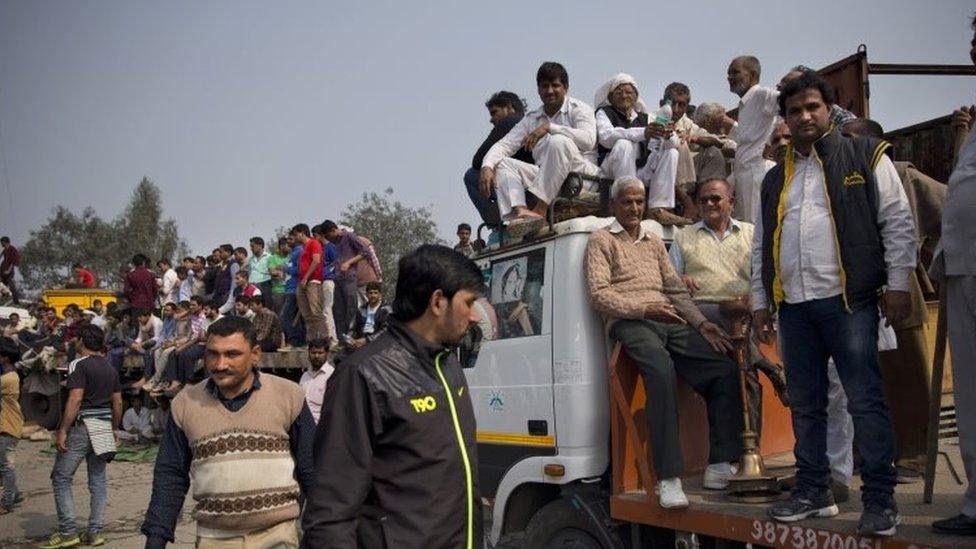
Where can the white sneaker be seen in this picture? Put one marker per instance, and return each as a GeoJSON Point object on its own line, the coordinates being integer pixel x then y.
{"type": "Point", "coordinates": [717, 476]}
{"type": "Point", "coordinates": [671, 495]}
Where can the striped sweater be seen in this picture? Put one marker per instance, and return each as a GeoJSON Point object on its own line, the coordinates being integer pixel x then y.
{"type": "Point", "coordinates": [242, 472]}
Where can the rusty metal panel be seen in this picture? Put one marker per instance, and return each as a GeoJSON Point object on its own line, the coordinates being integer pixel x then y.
{"type": "Point", "coordinates": [927, 145]}
{"type": "Point", "coordinates": [849, 77]}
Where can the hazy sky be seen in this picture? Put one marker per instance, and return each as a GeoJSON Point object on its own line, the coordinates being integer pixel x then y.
{"type": "Point", "coordinates": [252, 115]}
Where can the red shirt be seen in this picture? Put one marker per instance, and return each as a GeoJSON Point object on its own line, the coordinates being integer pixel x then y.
{"type": "Point", "coordinates": [86, 278]}
{"type": "Point", "coordinates": [140, 288]}
{"type": "Point", "coordinates": [312, 247]}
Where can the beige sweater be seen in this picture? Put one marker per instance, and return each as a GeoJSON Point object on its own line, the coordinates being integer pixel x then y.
{"type": "Point", "coordinates": [624, 276]}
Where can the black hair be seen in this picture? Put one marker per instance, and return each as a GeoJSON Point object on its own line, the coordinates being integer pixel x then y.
{"type": "Point", "coordinates": [229, 248]}
{"type": "Point", "coordinates": [282, 241]}
{"type": "Point", "coordinates": [5, 240]}
{"type": "Point", "coordinates": [430, 268]}
{"type": "Point", "coordinates": [76, 266]}
{"type": "Point", "coordinates": [141, 312]}
{"type": "Point", "coordinates": [319, 344]}
{"type": "Point", "coordinates": [243, 299]}
{"type": "Point", "coordinates": [182, 271]}
{"type": "Point", "coordinates": [259, 299]}
{"type": "Point", "coordinates": [169, 304]}
{"type": "Point", "coordinates": [318, 230]}
{"type": "Point", "coordinates": [240, 250]}
{"type": "Point", "coordinates": [94, 301]}
{"type": "Point", "coordinates": [10, 349]}
{"type": "Point", "coordinates": [140, 260]}
{"type": "Point", "coordinates": [257, 240]}
{"type": "Point", "coordinates": [301, 228]}
{"type": "Point", "coordinates": [164, 261]}
{"type": "Point", "coordinates": [866, 127]}
{"type": "Point", "coordinates": [506, 99]}
{"type": "Point", "coordinates": [91, 337]}
{"type": "Point", "coordinates": [328, 226]}
{"type": "Point", "coordinates": [201, 259]}
{"type": "Point", "coordinates": [675, 88]}
{"type": "Point", "coordinates": [242, 272]}
{"type": "Point", "coordinates": [189, 258]}
{"type": "Point", "coordinates": [806, 81]}
{"type": "Point", "coordinates": [374, 285]}
{"type": "Point", "coordinates": [550, 71]}
{"type": "Point", "coordinates": [230, 325]}
{"type": "Point", "coordinates": [464, 227]}
{"type": "Point", "coordinates": [185, 304]}
{"type": "Point", "coordinates": [198, 300]}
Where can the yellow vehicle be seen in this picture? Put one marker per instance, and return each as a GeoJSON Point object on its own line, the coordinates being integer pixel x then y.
{"type": "Point", "coordinates": [82, 297]}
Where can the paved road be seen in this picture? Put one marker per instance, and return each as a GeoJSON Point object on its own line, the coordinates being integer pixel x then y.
{"type": "Point", "coordinates": [129, 487]}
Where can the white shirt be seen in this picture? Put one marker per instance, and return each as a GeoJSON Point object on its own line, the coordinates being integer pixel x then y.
{"type": "Point", "coordinates": [809, 262]}
{"type": "Point", "coordinates": [152, 330]}
{"type": "Point", "coordinates": [608, 134]}
{"type": "Point", "coordinates": [757, 111]}
{"type": "Point", "coordinates": [138, 421]}
{"type": "Point", "coordinates": [575, 120]}
{"type": "Point", "coordinates": [314, 383]}
{"type": "Point", "coordinates": [171, 287]}
{"type": "Point", "coordinates": [185, 291]}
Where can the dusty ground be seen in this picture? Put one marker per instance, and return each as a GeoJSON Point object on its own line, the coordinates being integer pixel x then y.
{"type": "Point", "coordinates": [129, 487]}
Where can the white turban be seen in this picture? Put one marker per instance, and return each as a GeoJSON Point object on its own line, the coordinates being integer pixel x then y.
{"type": "Point", "coordinates": [602, 98]}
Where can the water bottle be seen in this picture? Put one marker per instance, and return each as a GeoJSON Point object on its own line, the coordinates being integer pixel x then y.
{"type": "Point", "coordinates": [662, 117]}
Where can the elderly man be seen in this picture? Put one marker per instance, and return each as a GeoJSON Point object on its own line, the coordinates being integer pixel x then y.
{"type": "Point", "coordinates": [826, 291]}
{"type": "Point", "coordinates": [957, 262]}
{"type": "Point", "coordinates": [712, 258]}
{"type": "Point", "coordinates": [623, 133]}
{"type": "Point", "coordinates": [649, 312]}
{"type": "Point", "coordinates": [562, 137]}
{"type": "Point", "coordinates": [757, 110]}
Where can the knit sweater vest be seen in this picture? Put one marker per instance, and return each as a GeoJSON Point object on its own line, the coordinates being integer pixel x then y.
{"type": "Point", "coordinates": [242, 471]}
{"type": "Point", "coordinates": [721, 269]}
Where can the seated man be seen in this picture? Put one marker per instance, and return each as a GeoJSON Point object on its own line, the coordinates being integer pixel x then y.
{"type": "Point", "coordinates": [267, 326]}
{"type": "Point", "coordinates": [648, 310]}
{"type": "Point", "coordinates": [505, 109]}
{"type": "Point", "coordinates": [371, 318]}
{"type": "Point", "coordinates": [136, 426]}
{"type": "Point", "coordinates": [562, 137]}
{"type": "Point", "coordinates": [713, 259]}
{"type": "Point", "coordinates": [625, 135]}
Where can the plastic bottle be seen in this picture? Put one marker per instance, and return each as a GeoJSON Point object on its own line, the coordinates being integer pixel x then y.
{"type": "Point", "coordinates": [662, 117]}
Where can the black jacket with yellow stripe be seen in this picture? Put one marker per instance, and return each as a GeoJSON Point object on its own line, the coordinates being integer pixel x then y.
{"type": "Point", "coordinates": [395, 451]}
{"type": "Point", "coordinates": [852, 194]}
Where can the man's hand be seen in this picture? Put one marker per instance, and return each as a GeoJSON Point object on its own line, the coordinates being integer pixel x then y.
{"type": "Point", "coordinates": [486, 182]}
{"type": "Point", "coordinates": [895, 306]}
{"type": "Point", "coordinates": [762, 325]}
{"type": "Point", "coordinates": [533, 137]}
{"type": "Point", "coordinates": [716, 337]}
{"type": "Point", "coordinates": [662, 311]}
{"type": "Point", "coordinates": [343, 267]}
{"type": "Point", "coordinates": [657, 131]}
{"type": "Point", "coordinates": [963, 117]}
{"type": "Point", "coordinates": [690, 283]}
{"type": "Point", "coordinates": [61, 441]}
{"type": "Point", "coordinates": [357, 343]}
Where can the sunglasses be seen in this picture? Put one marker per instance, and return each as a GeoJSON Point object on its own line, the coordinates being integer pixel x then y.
{"type": "Point", "coordinates": [711, 199]}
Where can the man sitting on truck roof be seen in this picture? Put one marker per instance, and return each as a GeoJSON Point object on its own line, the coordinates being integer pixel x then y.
{"type": "Point", "coordinates": [562, 137]}
{"type": "Point", "coordinates": [648, 311]}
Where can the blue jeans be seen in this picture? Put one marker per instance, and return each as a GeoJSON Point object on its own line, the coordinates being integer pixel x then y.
{"type": "Point", "coordinates": [811, 332]}
{"type": "Point", "coordinates": [65, 465]}
{"type": "Point", "coordinates": [7, 444]}
{"type": "Point", "coordinates": [294, 332]}
{"type": "Point", "coordinates": [486, 207]}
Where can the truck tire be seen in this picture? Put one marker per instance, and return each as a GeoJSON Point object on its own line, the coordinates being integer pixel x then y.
{"type": "Point", "coordinates": [557, 526]}
{"type": "Point", "coordinates": [45, 410]}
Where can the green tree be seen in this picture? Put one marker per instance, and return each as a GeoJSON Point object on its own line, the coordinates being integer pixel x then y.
{"type": "Point", "coordinates": [394, 229]}
{"type": "Point", "coordinates": [101, 246]}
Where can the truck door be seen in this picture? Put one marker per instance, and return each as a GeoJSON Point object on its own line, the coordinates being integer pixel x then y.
{"type": "Point", "coordinates": [511, 383]}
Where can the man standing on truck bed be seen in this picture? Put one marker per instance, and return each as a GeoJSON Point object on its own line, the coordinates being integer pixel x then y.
{"type": "Point", "coordinates": [648, 311]}
{"type": "Point", "coordinates": [835, 228]}
{"type": "Point", "coordinates": [395, 447]}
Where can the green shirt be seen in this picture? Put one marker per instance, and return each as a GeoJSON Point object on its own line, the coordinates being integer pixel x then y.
{"type": "Point", "coordinates": [277, 284]}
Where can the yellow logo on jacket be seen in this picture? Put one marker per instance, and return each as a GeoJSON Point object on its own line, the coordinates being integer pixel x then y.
{"type": "Point", "coordinates": [853, 178]}
{"type": "Point", "coordinates": [423, 404]}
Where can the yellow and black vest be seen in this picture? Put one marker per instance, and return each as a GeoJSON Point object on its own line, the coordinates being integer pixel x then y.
{"type": "Point", "coordinates": [852, 196]}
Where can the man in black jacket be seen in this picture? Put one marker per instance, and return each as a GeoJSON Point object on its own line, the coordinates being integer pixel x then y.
{"type": "Point", "coordinates": [505, 109]}
{"type": "Point", "coordinates": [395, 447]}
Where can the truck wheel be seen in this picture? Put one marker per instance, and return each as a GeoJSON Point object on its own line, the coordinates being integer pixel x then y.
{"type": "Point", "coordinates": [558, 526]}
{"type": "Point", "coordinates": [45, 410]}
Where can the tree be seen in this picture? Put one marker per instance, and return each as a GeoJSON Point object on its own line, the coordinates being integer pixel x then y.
{"type": "Point", "coordinates": [101, 246]}
{"type": "Point", "coordinates": [394, 229]}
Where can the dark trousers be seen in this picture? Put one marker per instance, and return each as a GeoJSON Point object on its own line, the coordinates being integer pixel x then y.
{"type": "Point", "coordinates": [344, 305]}
{"type": "Point", "coordinates": [181, 365]}
{"type": "Point", "coordinates": [812, 332]}
{"type": "Point", "coordinates": [265, 288]}
{"type": "Point", "coordinates": [291, 322]}
{"type": "Point", "coordinates": [664, 351]}
{"type": "Point", "coordinates": [15, 292]}
{"type": "Point", "coordinates": [487, 208]}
